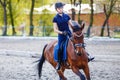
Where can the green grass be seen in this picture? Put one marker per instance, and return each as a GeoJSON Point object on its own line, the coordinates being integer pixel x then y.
{"type": "Point", "coordinates": [53, 34]}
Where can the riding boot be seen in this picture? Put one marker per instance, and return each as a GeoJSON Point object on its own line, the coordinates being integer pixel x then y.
{"type": "Point", "coordinates": [90, 58]}
{"type": "Point", "coordinates": [59, 61]}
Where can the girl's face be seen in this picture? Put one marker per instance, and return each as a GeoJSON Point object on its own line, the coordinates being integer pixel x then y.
{"type": "Point", "coordinates": [60, 10]}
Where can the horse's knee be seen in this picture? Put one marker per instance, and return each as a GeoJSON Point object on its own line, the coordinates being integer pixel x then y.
{"type": "Point", "coordinates": [62, 78]}
{"type": "Point", "coordinates": [61, 75]}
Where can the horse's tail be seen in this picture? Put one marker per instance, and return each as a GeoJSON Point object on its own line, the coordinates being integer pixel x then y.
{"type": "Point", "coordinates": [41, 61]}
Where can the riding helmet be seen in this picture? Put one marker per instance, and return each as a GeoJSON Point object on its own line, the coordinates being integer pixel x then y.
{"type": "Point", "coordinates": [59, 5]}
{"type": "Point", "coordinates": [76, 26]}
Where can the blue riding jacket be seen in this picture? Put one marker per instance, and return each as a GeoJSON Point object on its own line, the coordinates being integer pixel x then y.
{"type": "Point", "coordinates": [62, 23]}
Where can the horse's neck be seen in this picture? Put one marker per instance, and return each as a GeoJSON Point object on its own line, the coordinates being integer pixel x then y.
{"type": "Point", "coordinates": [70, 43]}
{"type": "Point", "coordinates": [70, 50]}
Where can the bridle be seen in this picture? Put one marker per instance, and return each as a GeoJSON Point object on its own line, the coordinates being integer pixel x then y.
{"type": "Point", "coordinates": [79, 45]}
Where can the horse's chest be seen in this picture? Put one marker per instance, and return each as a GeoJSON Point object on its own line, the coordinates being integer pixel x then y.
{"type": "Point", "coordinates": [80, 62]}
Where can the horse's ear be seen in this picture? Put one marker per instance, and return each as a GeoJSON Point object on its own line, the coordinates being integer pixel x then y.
{"type": "Point", "coordinates": [82, 25]}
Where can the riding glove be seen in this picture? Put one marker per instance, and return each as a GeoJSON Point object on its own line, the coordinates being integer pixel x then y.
{"type": "Point", "coordinates": [65, 33]}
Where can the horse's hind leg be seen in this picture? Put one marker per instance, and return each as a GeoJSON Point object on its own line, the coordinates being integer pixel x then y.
{"type": "Point", "coordinates": [61, 74]}
{"type": "Point", "coordinates": [77, 72]}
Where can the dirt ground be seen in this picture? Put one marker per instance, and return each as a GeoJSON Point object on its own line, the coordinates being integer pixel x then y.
{"type": "Point", "coordinates": [17, 57]}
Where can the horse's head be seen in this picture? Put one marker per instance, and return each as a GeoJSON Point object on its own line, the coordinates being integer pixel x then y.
{"type": "Point", "coordinates": [78, 38]}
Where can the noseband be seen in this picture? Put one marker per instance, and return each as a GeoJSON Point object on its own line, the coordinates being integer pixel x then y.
{"type": "Point", "coordinates": [80, 45]}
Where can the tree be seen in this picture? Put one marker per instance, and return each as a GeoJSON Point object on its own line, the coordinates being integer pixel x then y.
{"type": "Point", "coordinates": [40, 2]}
{"type": "Point", "coordinates": [79, 21]}
{"type": "Point", "coordinates": [31, 18]}
{"type": "Point", "coordinates": [108, 11]}
{"type": "Point", "coordinates": [91, 18]}
{"type": "Point", "coordinates": [4, 4]}
{"type": "Point", "coordinates": [1, 16]}
{"type": "Point", "coordinates": [73, 10]}
{"type": "Point", "coordinates": [46, 19]}
{"type": "Point", "coordinates": [11, 17]}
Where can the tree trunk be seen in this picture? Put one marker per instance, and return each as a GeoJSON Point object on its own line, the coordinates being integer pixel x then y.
{"type": "Point", "coordinates": [5, 17]}
{"type": "Point", "coordinates": [107, 14]}
{"type": "Point", "coordinates": [79, 21]}
{"type": "Point", "coordinates": [91, 19]}
{"type": "Point", "coordinates": [11, 17]}
{"type": "Point", "coordinates": [73, 10]}
{"type": "Point", "coordinates": [31, 19]}
{"type": "Point", "coordinates": [103, 27]}
{"type": "Point", "coordinates": [73, 13]}
{"type": "Point", "coordinates": [5, 21]}
{"type": "Point", "coordinates": [104, 24]}
{"type": "Point", "coordinates": [108, 29]}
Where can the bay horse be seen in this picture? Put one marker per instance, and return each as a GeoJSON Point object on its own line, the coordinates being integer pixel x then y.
{"type": "Point", "coordinates": [76, 56]}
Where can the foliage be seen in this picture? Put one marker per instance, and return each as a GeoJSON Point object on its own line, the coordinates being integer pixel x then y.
{"type": "Point", "coordinates": [46, 19]}
{"type": "Point", "coordinates": [1, 16]}
{"type": "Point", "coordinates": [21, 9]}
{"type": "Point", "coordinates": [117, 35]}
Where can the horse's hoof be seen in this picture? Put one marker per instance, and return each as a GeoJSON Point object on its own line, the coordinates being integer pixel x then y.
{"type": "Point", "coordinates": [64, 78]}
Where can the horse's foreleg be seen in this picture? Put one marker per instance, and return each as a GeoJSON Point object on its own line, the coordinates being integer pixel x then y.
{"type": "Point", "coordinates": [77, 72]}
{"type": "Point", "coordinates": [61, 74]}
{"type": "Point", "coordinates": [87, 72]}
